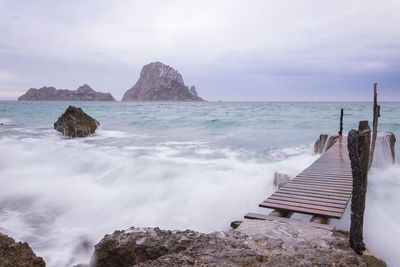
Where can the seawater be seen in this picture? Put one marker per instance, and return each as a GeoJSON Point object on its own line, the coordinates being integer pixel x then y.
{"type": "Point", "coordinates": [169, 165]}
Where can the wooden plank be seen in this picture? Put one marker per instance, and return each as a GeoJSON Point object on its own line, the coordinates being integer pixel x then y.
{"type": "Point", "coordinates": [328, 171]}
{"type": "Point", "coordinates": [323, 180]}
{"type": "Point", "coordinates": [334, 185]}
{"type": "Point", "coordinates": [312, 191]}
{"type": "Point", "coordinates": [318, 188]}
{"type": "Point", "coordinates": [320, 202]}
{"type": "Point", "coordinates": [326, 200]}
{"type": "Point", "coordinates": [326, 176]}
{"type": "Point", "coordinates": [257, 216]}
{"type": "Point", "coordinates": [336, 215]}
{"type": "Point", "coordinates": [301, 205]}
{"type": "Point", "coordinates": [312, 194]}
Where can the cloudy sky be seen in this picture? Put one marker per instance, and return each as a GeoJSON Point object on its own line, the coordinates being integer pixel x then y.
{"type": "Point", "coordinates": [231, 50]}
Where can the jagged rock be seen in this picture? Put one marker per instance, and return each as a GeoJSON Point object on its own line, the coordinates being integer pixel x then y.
{"type": "Point", "coordinates": [76, 123]}
{"type": "Point", "coordinates": [83, 93]}
{"type": "Point", "coordinates": [280, 179]}
{"type": "Point", "coordinates": [193, 90]}
{"type": "Point", "coordinates": [160, 82]}
{"type": "Point", "coordinates": [280, 244]}
{"type": "Point", "coordinates": [17, 254]}
{"type": "Point", "coordinates": [324, 142]}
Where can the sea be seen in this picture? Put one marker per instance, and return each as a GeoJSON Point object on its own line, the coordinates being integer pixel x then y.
{"type": "Point", "coordinates": [171, 165]}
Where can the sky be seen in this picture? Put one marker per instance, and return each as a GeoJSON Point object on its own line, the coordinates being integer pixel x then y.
{"type": "Point", "coordinates": [236, 50]}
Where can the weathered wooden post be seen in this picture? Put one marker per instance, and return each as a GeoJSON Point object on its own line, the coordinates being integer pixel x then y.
{"type": "Point", "coordinates": [341, 123]}
{"type": "Point", "coordinates": [359, 149]}
{"type": "Point", "coordinates": [376, 114]}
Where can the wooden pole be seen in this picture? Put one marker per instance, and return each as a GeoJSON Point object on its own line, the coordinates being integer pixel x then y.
{"type": "Point", "coordinates": [341, 122]}
{"type": "Point", "coordinates": [377, 114]}
{"type": "Point", "coordinates": [359, 149]}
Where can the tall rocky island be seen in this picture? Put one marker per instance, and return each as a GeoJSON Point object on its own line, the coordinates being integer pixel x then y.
{"type": "Point", "coordinates": [160, 82]}
{"type": "Point", "coordinates": [83, 93]}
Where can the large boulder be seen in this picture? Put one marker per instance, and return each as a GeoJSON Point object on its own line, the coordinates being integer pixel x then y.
{"type": "Point", "coordinates": [76, 123]}
{"type": "Point", "coordinates": [83, 93]}
{"type": "Point", "coordinates": [275, 244]}
{"type": "Point", "coordinates": [17, 254]}
{"type": "Point", "coordinates": [160, 82]}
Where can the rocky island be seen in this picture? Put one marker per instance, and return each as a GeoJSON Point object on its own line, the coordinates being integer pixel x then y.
{"type": "Point", "coordinates": [83, 93]}
{"type": "Point", "coordinates": [160, 82]}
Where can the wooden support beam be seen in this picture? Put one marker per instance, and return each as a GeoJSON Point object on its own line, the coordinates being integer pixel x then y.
{"type": "Point", "coordinates": [341, 123]}
{"type": "Point", "coordinates": [359, 149]}
{"type": "Point", "coordinates": [376, 115]}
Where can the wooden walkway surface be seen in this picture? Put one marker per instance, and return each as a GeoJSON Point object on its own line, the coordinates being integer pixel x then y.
{"type": "Point", "coordinates": [323, 189]}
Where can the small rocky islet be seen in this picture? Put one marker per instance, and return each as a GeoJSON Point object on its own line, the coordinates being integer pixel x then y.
{"type": "Point", "coordinates": [83, 93]}
{"type": "Point", "coordinates": [160, 82]}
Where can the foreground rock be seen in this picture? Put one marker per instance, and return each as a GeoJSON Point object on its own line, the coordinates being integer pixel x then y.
{"type": "Point", "coordinates": [17, 254]}
{"type": "Point", "coordinates": [76, 123]}
{"type": "Point", "coordinates": [160, 82]}
{"type": "Point", "coordinates": [83, 93]}
{"type": "Point", "coordinates": [254, 243]}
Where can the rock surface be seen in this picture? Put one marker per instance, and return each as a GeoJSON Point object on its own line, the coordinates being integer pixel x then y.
{"type": "Point", "coordinates": [17, 254]}
{"type": "Point", "coordinates": [76, 123]}
{"type": "Point", "coordinates": [324, 142]}
{"type": "Point", "coordinates": [193, 90]}
{"type": "Point", "coordinates": [83, 93]}
{"type": "Point", "coordinates": [160, 82]}
{"type": "Point", "coordinates": [254, 243]}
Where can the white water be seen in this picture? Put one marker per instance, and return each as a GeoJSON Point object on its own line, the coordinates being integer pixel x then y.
{"type": "Point", "coordinates": [69, 193]}
{"type": "Point", "coordinates": [172, 165]}
{"type": "Point", "coordinates": [383, 155]}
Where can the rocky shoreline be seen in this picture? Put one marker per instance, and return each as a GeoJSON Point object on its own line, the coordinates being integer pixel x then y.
{"type": "Point", "coordinates": [14, 253]}
{"type": "Point", "coordinates": [253, 243]}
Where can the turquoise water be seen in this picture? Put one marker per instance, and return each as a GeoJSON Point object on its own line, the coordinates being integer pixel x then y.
{"type": "Point", "coordinates": [172, 165]}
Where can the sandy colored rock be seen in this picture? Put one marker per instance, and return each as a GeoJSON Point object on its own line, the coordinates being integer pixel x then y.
{"type": "Point", "coordinates": [253, 243]}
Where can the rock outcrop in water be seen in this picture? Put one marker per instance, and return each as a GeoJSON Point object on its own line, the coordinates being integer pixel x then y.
{"type": "Point", "coordinates": [17, 254]}
{"type": "Point", "coordinates": [324, 142]}
{"type": "Point", "coordinates": [160, 82]}
{"type": "Point", "coordinates": [253, 243]}
{"type": "Point", "coordinates": [76, 123]}
{"type": "Point", "coordinates": [83, 93]}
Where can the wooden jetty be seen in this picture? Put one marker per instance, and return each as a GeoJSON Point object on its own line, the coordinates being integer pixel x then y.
{"type": "Point", "coordinates": [322, 190]}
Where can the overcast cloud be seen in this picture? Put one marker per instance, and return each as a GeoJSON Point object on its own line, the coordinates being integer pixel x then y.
{"type": "Point", "coordinates": [231, 50]}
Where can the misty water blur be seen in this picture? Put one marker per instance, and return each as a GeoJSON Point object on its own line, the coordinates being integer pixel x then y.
{"type": "Point", "coordinates": [172, 165]}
